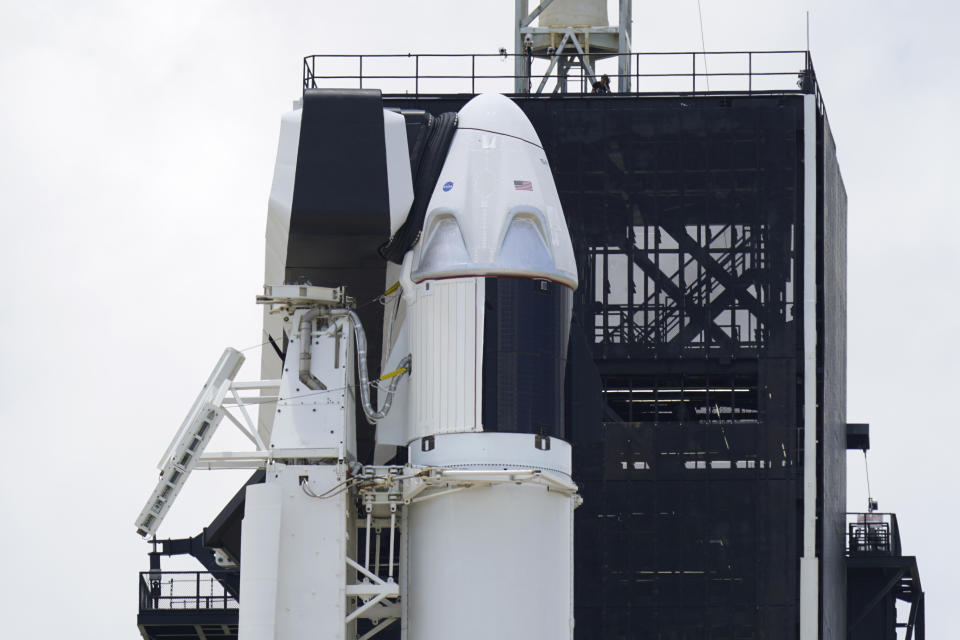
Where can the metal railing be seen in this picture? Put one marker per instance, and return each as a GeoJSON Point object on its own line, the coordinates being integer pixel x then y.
{"type": "Point", "coordinates": [183, 590]}
{"type": "Point", "coordinates": [651, 72]}
{"type": "Point", "coordinates": [872, 534]}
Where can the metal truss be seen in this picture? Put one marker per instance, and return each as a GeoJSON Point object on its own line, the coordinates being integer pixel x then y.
{"type": "Point", "coordinates": [678, 280]}
{"type": "Point", "coordinates": [569, 47]}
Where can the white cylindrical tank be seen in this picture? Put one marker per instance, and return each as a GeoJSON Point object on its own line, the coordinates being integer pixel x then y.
{"type": "Point", "coordinates": [575, 13]}
{"type": "Point", "coordinates": [496, 561]}
{"type": "Point", "coordinates": [489, 289]}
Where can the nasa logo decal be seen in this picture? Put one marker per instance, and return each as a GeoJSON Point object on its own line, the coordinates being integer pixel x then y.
{"type": "Point", "coordinates": [447, 185]}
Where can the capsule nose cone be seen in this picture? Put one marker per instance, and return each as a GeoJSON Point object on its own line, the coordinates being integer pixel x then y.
{"type": "Point", "coordinates": [497, 211]}
{"type": "Point", "coordinates": [497, 113]}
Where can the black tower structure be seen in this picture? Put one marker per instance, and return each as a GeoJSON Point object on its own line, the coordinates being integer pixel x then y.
{"type": "Point", "coordinates": [686, 379]}
{"type": "Point", "coordinates": [708, 353]}
{"type": "Point", "coordinates": [706, 375]}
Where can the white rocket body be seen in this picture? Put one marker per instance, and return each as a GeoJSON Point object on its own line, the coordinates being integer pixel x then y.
{"type": "Point", "coordinates": [490, 562]}
{"type": "Point", "coordinates": [496, 561]}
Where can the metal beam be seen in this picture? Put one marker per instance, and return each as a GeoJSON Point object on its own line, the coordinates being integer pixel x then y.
{"type": "Point", "coordinates": [230, 580]}
{"type": "Point", "coordinates": [713, 309]}
{"type": "Point", "coordinates": [714, 268]}
{"type": "Point", "coordinates": [692, 247]}
{"type": "Point", "coordinates": [894, 581]}
{"type": "Point", "coordinates": [553, 63]}
{"type": "Point", "coordinates": [583, 56]}
{"type": "Point", "coordinates": [624, 63]}
{"type": "Point", "coordinates": [912, 619]}
{"type": "Point", "coordinates": [691, 309]}
{"type": "Point", "coordinates": [921, 617]}
{"type": "Point", "coordinates": [535, 13]}
{"type": "Point", "coordinates": [377, 629]}
{"type": "Point", "coordinates": [521, 69]}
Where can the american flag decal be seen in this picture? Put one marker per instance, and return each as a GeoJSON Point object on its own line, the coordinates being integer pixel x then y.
{"type": "Point", "coordinates": [522, 185]}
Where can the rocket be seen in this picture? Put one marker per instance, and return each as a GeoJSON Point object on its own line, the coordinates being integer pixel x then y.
{"type": "Point", "coordinates": [434, 247]}
{"type": "Point", "coordinates": [485, 311]}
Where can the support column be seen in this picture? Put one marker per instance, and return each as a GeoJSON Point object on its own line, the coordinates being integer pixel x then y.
{"type": "Point", "coordinates": [809, 562]}
{"type": "Point", "coordinates": [624, 63]}
{"type": "Point", "coordinates": [520, 62]}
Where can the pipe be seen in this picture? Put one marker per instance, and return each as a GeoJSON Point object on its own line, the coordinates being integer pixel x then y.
{"type": "Point", "coordinates": [306, 329]}
{"type": "Point", "coordinates": [366, 561]}
{"type": "Point", "coordinates": [372, 415]}
{"type": "Point", "coordinates": [393, 528]}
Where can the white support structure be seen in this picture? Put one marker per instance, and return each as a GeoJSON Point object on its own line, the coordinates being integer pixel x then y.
{"type": "Point", "coordinates": [294, 552]}
{"type": "Point", "coordinates": [302, 530]}
{"type": "Point", "coordinates": [220, 394]}
{"type": "Point", "coordinates": [297, 524]}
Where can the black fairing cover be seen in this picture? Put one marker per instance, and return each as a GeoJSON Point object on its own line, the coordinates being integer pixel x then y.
{"type": "Point", "coordinates": [341, 180]}
{"type": "Point", "coordinates": [341, 206]}
{"type": "Point", "coordinates": [429, 141]}
{"type": "Point", "coordinates": [340, 213]}
{"type": "Point", "coordinates": [526, 326]}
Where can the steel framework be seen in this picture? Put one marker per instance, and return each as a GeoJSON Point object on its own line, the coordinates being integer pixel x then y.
{"type": "Point", "coordinates": [685, 380]}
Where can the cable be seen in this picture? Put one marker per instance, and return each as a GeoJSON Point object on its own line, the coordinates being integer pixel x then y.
{"type": "Point", "coordinates": [866, 469]}
{"type": "Point", "coordinates": [327, 493]}
{"type": "Point", "coordinates": [369, 302]}
{"type": "Point", "coordinates": [253, 346]}
{"type": "Point", "coordinates": [703, 45]}
{"type": "Point", "coordinates": [392, 374]}
{"type": "Point", "coordinates": [375, 384]}
{"type": "Point", "coordinates": [285, 402]}
{"type": "Point", "coordinates": [349, 483]}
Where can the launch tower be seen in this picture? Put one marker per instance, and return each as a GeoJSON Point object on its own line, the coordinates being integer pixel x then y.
{"type": "Point", "coordinates": [705, 375]}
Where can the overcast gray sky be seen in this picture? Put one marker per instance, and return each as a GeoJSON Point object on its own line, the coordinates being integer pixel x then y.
{"type": "Point", "coordinates": [137, 143]}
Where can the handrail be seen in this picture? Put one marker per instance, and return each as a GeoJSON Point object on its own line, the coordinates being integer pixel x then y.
{"type": "Point", "coordinates": [318, 71]}
{"type": "Point", "coordinates": [873, 534]}
{"type": "Point", "coordinates": [184, 590]}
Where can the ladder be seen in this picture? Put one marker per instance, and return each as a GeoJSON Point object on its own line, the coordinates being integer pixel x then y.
{"type": "Point", "coordinates": [191, 439]}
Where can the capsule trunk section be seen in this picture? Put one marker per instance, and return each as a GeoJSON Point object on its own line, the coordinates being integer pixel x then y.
{"type": "Point", "coordinates": [490, 355]}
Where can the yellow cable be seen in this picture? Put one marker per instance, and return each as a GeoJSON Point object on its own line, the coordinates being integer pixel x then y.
{"type": "Point", "coordinates": [393, 374]}
{"type": "Point", "coordinates": [396, 285]}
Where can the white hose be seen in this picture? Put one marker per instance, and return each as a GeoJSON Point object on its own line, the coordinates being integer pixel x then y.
{"type": "Point", "coordinates": [372, 415]}
{"type": "Point", "coordinates": [306, 329]}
